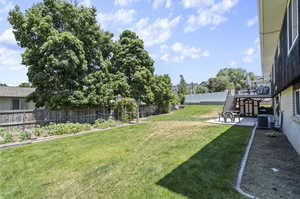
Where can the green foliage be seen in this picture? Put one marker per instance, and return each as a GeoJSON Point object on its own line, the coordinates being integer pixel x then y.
{"type": "Point", "coordinates": [73, 63]}
{"type": "Point", "coordinates": [38, 132]}
{"type": "Point", "coordinates": [7, 136]}
{"type": "Point", "coordinates": [237, 77]}
{"type": "Point", "coordinates": [101, 88]}
{"type": "Point", "coordinates": [133, 60]}
{"type": "Point", "coordinates": [63, 43]}
{"type": "Point", "coordinates": [25, 85]}
{"type": "Point", "coordinates": [3, 84]}
{"type": "Point", "coordinates": [182, 86]}
{"type": "Point", "coordinates": [60, 129]}
{"type": "Point", "coordinates": [219, 84]}
{"type": "Point", "coordinates": [181, 98]}
{"type": "Point", "coordinates": [25, 135]}
{"type": "Point", "coordinates": [125, 109]}
{"type": "Point", "coordinates": [201, 89]}
{"type": "Point", "coordinates": [104, 124]}
{"type": "Point", "coordinates": [163, 94]}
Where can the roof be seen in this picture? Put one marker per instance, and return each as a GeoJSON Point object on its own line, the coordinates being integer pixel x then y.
{"type": "Point", "coordinates": [271, 14]}
{"type": "Point", "coordinates": [15, 91]}
{"type": "Point", "coordinates": [206, 97]}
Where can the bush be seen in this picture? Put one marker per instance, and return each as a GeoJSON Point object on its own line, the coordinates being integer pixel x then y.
{"type": "Point", "coordinates": [60, 129]}
{"type": "Point", "coordinates": [38, 132]}
{"type": "Point", "coordinates": [7, 137]}
{"type": "Point", "coordinates": [125, 109]}
{"type": "Point", "coordinates": [25, 135]}
{"type": "Point", "coordinates": [104, 124]}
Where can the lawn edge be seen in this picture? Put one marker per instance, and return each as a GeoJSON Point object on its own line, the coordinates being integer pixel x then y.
{"type": "Point", "coordinates": [49, 138]}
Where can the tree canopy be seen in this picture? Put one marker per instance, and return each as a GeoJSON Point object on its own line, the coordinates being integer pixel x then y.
{"type": "Point", "coordinates": [72, 62]}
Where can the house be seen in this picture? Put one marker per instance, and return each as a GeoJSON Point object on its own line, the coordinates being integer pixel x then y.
{"type": "Point", "coordinates": [217, 98]}
{"type": "Point", "coordinates": [14, 98]}
{"type": "Point", "coordinates": [280, 55]}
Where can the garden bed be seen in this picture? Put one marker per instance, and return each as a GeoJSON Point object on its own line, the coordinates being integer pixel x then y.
{"type": "Point", "coordinates": [16, 137]}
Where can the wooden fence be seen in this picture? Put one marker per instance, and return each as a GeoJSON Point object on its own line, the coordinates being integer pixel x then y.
{"type": "Point", "coordinates": [44, 116]}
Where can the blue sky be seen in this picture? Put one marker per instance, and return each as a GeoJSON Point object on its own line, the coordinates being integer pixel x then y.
{"type": "Point", "coordinates": [195, 38]}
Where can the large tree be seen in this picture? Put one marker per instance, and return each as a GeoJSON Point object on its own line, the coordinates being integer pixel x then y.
{"type": "Point", "coordinates": [63, 43]}
{"type": "Point", "coordinates": [219, 84]}
{"type": "Point", "coordinates": [133, 60]}
{"type": "Point", "coordinates": [163, 94]}
{"type": "Point", "coordinates": [238, 77]}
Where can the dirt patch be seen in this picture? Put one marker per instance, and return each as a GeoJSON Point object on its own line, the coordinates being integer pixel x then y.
{"type": "Point", "coordinates": [175, 128]}
{"type": "Point", "coordinates": [273, 168]}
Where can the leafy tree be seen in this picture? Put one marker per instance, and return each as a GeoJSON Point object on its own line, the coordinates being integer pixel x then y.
{"type": "Point", "coordinates": [182, 86]}
{"type": "Point", "coordinates": [101, 88]}
{"type": "Point", "coordinates": [3, 84]}
{"type": "Point", "coordinates": [201, 89]}
{"type": "Point", "coordinates": [25, 85]}
{"type": "Point", "coordinates": [238, 77]}
{"type": "Point", "coordinates": [63, 43]}
{"type": "Point", "coordinates": [182, 89]}
{"type": "Point", "coordinates": [219, 84]}
{"type": "Point", "coordinates": [163, 94]}
{"type": "Point", "coordinates": [133, 60]}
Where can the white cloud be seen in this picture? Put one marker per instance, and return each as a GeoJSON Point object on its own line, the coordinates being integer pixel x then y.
{"type": "Point", "coordinates": [7, 37]}
{"type": "Point", "coordinates": [253, 21]}
{"type": "Point", "coordinates": [86, 3]}
{"type": "Point", "coordinates": [5, 6]}
{"type": "Point", "coordinates": [196, 3]}
{"type": "Point", "coordinates": [120, 17]}
{"type": "Point", "coordinates": [10, 60]}
{"type": "Point", "coordinates": [159, 3]}
{"type": "Point", "coordinates": [179, 52]}
{"type": "Point", "coordinates": [124, 2]}
{"type": "Point", "coordinates": [212, 15]}
{"type": "Point", "coordinates": [157, 32]}
{"type": "Point", "coordinates": [249, 55]}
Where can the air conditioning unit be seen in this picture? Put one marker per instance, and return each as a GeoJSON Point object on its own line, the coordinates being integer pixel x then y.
{"type": "Point", "coordinates": [265, 121]}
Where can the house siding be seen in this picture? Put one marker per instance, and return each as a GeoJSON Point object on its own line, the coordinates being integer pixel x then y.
{"type": "Point", "coordinates": [290, 125]}
{"type": "Point", "coordinates": [286, 65]}
{"type": "Point", "coordinates": [6, 104]}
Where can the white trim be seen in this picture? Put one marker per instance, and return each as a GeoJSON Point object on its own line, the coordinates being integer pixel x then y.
{"type": "Point", "coordinates": [290, 2]}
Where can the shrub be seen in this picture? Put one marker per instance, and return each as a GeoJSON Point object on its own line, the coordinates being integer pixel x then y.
{"type": "Point", "coordinates": [103, 124]}
{"type": "Point", "coordinates": [7, 137]}
{"type": "Point", "coordinates": [67, 128]}
{"type": "Point", "coordinates": [125, 109]}
{"type": "Point", "coordinates": [38, 132]}
{"type": "Point", "coordinates": [60, 129]}
{"type": "Point", "coordinates": [25, 135]}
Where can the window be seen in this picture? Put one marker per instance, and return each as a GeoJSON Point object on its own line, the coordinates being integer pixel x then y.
{"type": "Point", "coordinates": [297, 102]}
{"type": "Point", "coordinates": [15, 104]}
{"type": "Point", "coordinates": [292, 23]}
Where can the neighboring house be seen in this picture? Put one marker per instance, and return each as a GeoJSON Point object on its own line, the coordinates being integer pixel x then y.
{"type": "Point", "coordinates": [280, 52]}
{"type": "Point", "coordinates": [217, 98]}
{"type": "Point", "coordinates": [14, 98]}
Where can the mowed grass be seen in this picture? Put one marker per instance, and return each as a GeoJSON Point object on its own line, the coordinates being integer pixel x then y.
{"type": "Point", "coordinates": [165, 159]}
{"type": "Point", "coordinates": [190, 113]}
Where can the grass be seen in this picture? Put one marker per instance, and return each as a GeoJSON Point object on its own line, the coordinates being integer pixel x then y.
{"type": "Point", "coordinates": [163, 158]}
{"type": "Point", "coordinates": [190, 113]}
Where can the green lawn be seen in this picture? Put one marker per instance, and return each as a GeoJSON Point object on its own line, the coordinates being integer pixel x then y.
{"type": "Point", "coordinates": [179, 158]}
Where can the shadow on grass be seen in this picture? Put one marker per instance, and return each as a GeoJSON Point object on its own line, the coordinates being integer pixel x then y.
{"type": "Point", "coordinates": [211, 172]}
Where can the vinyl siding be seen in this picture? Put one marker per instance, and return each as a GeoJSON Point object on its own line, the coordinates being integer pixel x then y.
{"type": "Point", "coordinates": [290, 127]}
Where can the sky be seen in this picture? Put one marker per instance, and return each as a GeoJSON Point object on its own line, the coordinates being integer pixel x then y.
{"type": "Point", "coordinates": [195, 38]}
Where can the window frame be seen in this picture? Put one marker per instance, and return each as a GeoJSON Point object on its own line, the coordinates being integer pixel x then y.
{"type": "Point", "coordinates": [290, 48]}
{"type": "Point", "coordinates": [295, 104]}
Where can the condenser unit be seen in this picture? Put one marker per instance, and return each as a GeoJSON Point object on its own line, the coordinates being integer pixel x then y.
{"type": "Point", "coordinates": [265, 121]}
